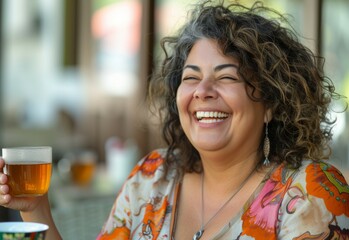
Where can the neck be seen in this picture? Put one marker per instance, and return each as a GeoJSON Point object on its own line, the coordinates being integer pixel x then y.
{"type": "Point", "coordinates": [204, 223]}
{"type": "Point", "coordinates": [229, 174]}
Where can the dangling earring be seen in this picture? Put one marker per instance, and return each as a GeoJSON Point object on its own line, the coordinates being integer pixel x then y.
{"type": "Point", "coordinates": [266, 146]}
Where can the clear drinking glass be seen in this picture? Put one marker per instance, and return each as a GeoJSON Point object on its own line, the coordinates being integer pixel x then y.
{"type": "Point", "coordinates": [29, 170]}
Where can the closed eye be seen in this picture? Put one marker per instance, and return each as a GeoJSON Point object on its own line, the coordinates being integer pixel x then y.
{"type": "Point", "coordinates": [230, 78]}
{"type": "Point", "coordinates": [190, 78]}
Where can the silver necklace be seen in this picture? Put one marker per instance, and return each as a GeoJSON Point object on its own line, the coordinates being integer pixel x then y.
{"type": "Point", "coordinates": [201, 231]}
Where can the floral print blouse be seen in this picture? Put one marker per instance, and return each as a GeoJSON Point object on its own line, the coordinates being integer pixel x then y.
{"type": "Point", "coordinates": [309, 203]}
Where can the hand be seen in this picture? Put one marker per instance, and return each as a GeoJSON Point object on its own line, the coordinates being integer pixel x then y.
{"type": "Point", "coordinates": [33, 209]}
{"type": "Point", "coordinates": [23, 204]}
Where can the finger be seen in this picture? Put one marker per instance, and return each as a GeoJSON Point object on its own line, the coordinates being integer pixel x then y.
{"type": "Point", "coordinates": [3, 178]}
{"type": "Point", "coordinates": [2, 163]}
{"type": "Point", "coordinates": [4, 189]}
{"type": "Point", "coordinates": [5, 200]}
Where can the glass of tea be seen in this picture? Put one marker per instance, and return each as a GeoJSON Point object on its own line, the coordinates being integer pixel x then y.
{"type": "Point", "coordinates": [28, 169]}
{"type": "Point", "coordinates": [83, 168]}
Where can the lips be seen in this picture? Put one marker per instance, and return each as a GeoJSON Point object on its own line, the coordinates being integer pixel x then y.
{"type": "Point", "coordinates": [210, 116]}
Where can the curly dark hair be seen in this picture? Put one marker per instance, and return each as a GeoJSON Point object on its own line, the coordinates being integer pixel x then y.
{"type": "Point", "coordinates": [273, 62]}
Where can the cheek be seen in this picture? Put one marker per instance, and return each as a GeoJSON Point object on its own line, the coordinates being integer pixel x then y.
{"type": "Point", "coordinates": [240, 103]}
{"type": "Point", "coordinates": [183, 98]}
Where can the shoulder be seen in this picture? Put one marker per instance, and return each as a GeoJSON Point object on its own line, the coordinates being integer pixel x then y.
{"type": "Point", "coordinates": [316, 180]}
{"type": "Point", "coordinates": [324, 181]}
{"type": "Point", "coordinates": [150, 163]}
{"type": "Point", "coordinates": [313, 175]}
{"type": "Point", "coordinates": [146, 195]}
{"type": "Point", "coordinates": [152, 167]}
{"type": "Point", "coordinates": [148, 182]}
{"type": "Point", "coordinates": [316, 200]}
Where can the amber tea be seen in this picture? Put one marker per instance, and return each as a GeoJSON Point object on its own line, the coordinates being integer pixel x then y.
{"type": "Point", "coordinates": [83, 168]}
{"type": "Point", "coordinates": [29, 170]}
{"type": "Point", "coordinates": [82, 172]}
{"type": "Point", "coordinates": [29, 179]}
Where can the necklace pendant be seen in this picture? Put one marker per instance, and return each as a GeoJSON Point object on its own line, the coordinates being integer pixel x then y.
{"type": "Point", "coordinates": [198, 234]}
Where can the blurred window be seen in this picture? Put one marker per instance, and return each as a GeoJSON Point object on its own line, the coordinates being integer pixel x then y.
{"type": "Point", "coordinates": [335, 48]}
{"type": "Point", "coordinates": [116, 31]}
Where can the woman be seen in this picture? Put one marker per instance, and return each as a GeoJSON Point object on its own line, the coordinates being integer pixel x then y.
{"type": "Point", "coordinates": [245, 118]}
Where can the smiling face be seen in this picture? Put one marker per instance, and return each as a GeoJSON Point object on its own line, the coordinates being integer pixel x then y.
{"type": "Point", "coordinates": [215, 111]}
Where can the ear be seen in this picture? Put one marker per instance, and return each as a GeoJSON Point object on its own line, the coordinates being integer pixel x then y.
{"type": "Point", "coordinates": [268, 115]}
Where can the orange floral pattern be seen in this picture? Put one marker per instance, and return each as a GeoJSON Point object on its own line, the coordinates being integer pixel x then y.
{"type": "Point", "coordinates": [154, 219]}
{"type": "Point", "coordinates": [120, 233]}
{"type": "Point", "coordinates": [149, 166]}
{"type": "Point", "coordinates": [143, 217]}
{"type": "Point", "coordinates": [309, 203]}
{"type": "Point", "coordinates": [326, 182]}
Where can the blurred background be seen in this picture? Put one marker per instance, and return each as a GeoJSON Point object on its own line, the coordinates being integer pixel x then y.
{"type": "Point", "coordinates": [73, 75]}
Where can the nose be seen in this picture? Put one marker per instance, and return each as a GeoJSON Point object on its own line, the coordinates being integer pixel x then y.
{"type": "Point", "coordinates": [205, 90]}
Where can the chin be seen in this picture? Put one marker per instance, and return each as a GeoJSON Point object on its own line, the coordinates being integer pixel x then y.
{"type": "Point", "coordinates": [207, 147]}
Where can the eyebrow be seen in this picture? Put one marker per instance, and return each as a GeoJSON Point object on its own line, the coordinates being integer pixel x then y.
{"type": "Point", "coordinates": [216, 69]}
{"type": "Point", "coordinates": [220, 67]}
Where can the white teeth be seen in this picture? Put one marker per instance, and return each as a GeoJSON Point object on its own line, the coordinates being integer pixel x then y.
{"type": "Point", "coordinates": [216, 115]}
{"type": "Point", "coordinates": [211, 120]}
